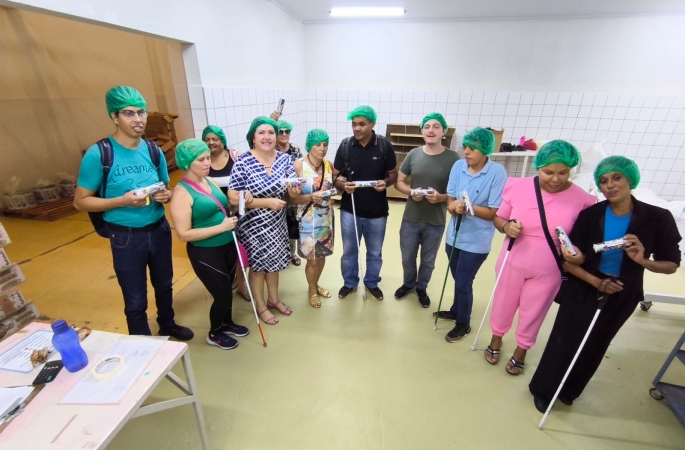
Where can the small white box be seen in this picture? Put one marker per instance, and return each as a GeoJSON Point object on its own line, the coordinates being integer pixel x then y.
{"type": "Point", "coordinates": [4, 260]}
{"type": "Point", "coordinates": [11, 278]}
{"type": "Point", "coordinates": [11, 303]}
{"type": "Point", "coordinates": [4, 237]}
{"type": "Point", "coordinates": [18, 320]}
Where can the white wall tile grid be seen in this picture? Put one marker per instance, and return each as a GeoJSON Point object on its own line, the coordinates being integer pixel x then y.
{"type": "Point", "coordinates": [648, 128]}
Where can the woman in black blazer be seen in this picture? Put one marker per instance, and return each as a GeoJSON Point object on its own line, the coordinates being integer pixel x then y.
{"type": "Point", "coordinates": [651, 242]}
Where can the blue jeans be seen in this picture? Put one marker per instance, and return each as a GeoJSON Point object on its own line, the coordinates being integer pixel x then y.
{"type": "Point", "coordinates": [133, 253]}
{"type": "Point", "coordinates": [373, 233]}
{"type": "Point", "coordinates": [413, 235]}
{"type": "Point", "coordinates": [464, 267]}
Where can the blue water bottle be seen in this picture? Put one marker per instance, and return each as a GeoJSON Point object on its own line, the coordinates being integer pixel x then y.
{"type": "Point", "coordinates": [69, 347]}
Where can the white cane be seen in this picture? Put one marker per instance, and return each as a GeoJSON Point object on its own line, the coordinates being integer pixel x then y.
{"type": "Point", "coordinates": [249, 290]}
{"type": "Point", "coordinates": [601, 304]}
{"type": "Point", "coordinates": [357, 238]}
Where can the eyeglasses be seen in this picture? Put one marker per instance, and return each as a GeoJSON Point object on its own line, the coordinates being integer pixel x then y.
{"type": "Point", "coordinates": [283, 131]}
{"type": "Point", "coordinates": [131, 114]}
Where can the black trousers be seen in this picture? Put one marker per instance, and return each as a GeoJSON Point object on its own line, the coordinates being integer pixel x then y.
{"type": "Point", "coordinates": [570, 326]}
{"type": "Point", "coordinates": [215, 267]}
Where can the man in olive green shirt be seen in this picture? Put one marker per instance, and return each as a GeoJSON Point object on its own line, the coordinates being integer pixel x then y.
{"type": "Point", "coordinates": [423, 222]}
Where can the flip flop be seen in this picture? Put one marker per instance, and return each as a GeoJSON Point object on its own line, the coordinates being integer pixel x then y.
{"type": "Point", "coordinates": [493, 353]}
{"type": "Point", "coordinates": [514, 365]}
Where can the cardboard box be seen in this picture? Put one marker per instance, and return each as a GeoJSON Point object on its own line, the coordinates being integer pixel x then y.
{"type": "Point", "coordinates": [4, 237]}
{"type": "Point", "coordinates": [11, 303]}
{"type": "Point", "coordinates": [10, 278]}
{"type": "Point", "coordinates": [11, 324]}
{"type": "Point", "coordinates": [498, 137]}
{"type": "Point", "coordinates": [4, 260]}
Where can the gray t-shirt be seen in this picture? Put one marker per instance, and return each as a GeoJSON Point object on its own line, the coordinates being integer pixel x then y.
{"type": "Point", "coordinates": [428, 171]}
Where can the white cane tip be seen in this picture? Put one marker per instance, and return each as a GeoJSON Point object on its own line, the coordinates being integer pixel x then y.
{"type": "Point", "coordinates": [435, 327]}
{"type": "Point", "coordinates": [473, 348]}
{"type": "Point", "coordinates": [539, 427]}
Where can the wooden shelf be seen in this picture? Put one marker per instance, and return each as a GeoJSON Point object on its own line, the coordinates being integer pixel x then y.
{"type": "Point", "coordinates": [408, 135]}
{"type": "Point", "coordinates": [402, 144]}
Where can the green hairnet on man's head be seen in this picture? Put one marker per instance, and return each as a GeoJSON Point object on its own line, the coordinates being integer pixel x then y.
{"type": "Point", "coordinates": [435, 116]}
{"type": "Point", "coordinates": [314, 137]}
{"type": "Point", "coordinates": [213, 129]}
{"type": "Point", "coordinates": [363, 111]}
{"type": "Point", "coordinates": [256, 123]}
{"type": "Point", "coordinates": [480, 139]}
{"type": "Point", "coordinates": [620, 164]}
{"type": "Point", "coordinates": [188, 151]}
{"type": "Point", "coordinates": [556, 152]}
{"type": "Point", "coordinates": [120, 97]}
{"type": "Point", "coordinates": [284, 125]}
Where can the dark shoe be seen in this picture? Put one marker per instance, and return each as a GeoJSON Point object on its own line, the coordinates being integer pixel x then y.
{"type": "Point", "coordinates": [424, 299]}
{"type": "Point", "coordinates": [177, 332]}
{"type": "Point", "coordinates": [235, 330]}
{"type": "Point", "coordinates": [565, 401]}
{"type": "Point", "coordinates": [458, 333]}
{"type": "Point", "coordinates": [402, 292]}
{"type": "Point", "coordinates": [345, 291]}
{"type": "Point", "coordinates": [540, 404]}
{"type": "Point", "coordinates": [445, 315]}
{"type": "Point", "coordinates": [222, 341]}
{"type": "Point", "coordinates": [375, 292]}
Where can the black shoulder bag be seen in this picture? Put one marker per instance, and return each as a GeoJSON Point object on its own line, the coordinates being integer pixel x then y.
{"type": "Point", "coordinates": [543, 219]}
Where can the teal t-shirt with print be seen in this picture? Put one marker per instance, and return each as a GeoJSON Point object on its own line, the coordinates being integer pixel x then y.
{"type": "Point", "coordinates": [131, 169]}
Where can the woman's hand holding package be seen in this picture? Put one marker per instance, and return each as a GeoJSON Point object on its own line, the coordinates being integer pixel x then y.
{"type": "Point", "coordinates": [577, 260]}
{"type": "Point", "coordinates": [634, 249]}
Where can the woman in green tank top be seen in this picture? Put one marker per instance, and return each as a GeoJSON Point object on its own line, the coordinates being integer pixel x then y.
{"type": "Point", "coordinates": [203, 225]}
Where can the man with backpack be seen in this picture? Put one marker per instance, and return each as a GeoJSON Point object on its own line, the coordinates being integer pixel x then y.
{"type": "Point", "coordinates": [363, 157]}
{"type": "Point", "coordinates": [140, 236]}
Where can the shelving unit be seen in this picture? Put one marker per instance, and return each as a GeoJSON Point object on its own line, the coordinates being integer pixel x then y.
{"type": "Point", "coordinates": [404, 138]}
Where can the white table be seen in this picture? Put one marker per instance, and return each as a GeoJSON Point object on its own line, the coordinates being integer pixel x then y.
{"type": "Point", "coordinates": [526, 154]}
{"type": "Point", "coordinates": [45, 424]}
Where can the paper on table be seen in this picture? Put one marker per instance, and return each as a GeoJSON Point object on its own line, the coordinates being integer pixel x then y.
{"type": "Point", "coordinates": [18, 358]}
{"type": "Point", "coordinates": [10, 398]}
{"type": "Point", "coordinates": [137, 355]}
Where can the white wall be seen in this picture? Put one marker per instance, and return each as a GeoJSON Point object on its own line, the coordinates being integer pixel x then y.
{"type": "Point", "coordinates": [238, 42]}
{"type": "Point", "coordinates": [633, 55]}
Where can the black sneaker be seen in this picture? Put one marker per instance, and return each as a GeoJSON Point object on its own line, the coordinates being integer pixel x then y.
{"type": "Point", "coordinates": [235, 330]}
{"type": "Point", "coordinates": [424, 299]}
{"type": "Point", "coordinates": [222, 341]}
{"type": "Point", "coordinates": [402, 292]}
{"type": "Point", "coordinates": [375, 292]}
{"type": "Point", "coordinates": [177, 332]}
{"type": "Point", "coordinates": [458, 333]}
{"type": "Point", "coordinates": [345, 291]}
{"type": "Point", "coordinates": [446, 315]}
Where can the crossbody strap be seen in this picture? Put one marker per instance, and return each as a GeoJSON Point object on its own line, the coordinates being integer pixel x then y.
{"type": "Point", "coordinates": [545, 228]}
{"type": "Point", "coordinates": [323, 173]}
{"type": "Point", "coordinates": [199, 189]}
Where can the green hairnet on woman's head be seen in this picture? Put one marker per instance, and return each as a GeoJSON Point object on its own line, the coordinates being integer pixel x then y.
{"type": "Point", "coordinates": [256, 123]}
{"type": "Point", "coordinates": [120, 97]}
{"type": "Point", "coordinates": [363, 111]}
{"type": "Point", "coordinates": [480, 139]}
{"type": "Point", "coordinates": [314, 137]}
{"type": "Point", "coordinates": [620, 164]}
{"type": "Point", "coordinates": [284, 125]}
{"type": "Point", "coordinates": [557, 152]}
{"type": "Point", "coordinates": [213, 129]}
{"type": "Point", "coordinates": [435, 116]}
{"type": "Point", "coordinates": [188, 151]}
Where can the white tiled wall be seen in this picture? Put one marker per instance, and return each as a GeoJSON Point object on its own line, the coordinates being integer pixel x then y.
{"type": "Point", "coordinates": [649, 129]}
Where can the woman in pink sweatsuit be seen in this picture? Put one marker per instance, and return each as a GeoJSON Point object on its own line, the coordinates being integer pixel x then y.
{"type": "Point", "coordinates": [531, 278]}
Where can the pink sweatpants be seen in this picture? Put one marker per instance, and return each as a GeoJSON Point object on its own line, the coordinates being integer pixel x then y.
{"type": "Point", "coordinates": [529, 283]}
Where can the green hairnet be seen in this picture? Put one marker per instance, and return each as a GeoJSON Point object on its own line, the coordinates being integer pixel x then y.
{"type": "Point", "coordinates": [284, 125]}
{"type": "Point", "coordinates": [435, 116]}
{"type": "Point", "coordinates": [556, 152]}
{"type": "Point", "coordinates": [363, 111]}
{"type": "Point", "coordinates": [213, 129]}
{"type": "Point", "coordinates": [120, 97]}
{"type": "Point", "coordinates": [188, 151]}
{"type": "Point", "coordinates": [256, 123]}
{"type": "Point", "coordinates": [620, 164]}
{"type": "Point", "coordinates": [480, 139]}
{"type": "Point", "coordinates": [314, 137]}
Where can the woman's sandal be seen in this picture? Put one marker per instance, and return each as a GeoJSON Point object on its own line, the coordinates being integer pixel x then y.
{"type": "Point", "coordinates": [323, 292]}
{"type": "Point", "coordinates": [286, 309]}
{"type": "Point", "coordinates": [295, 260]}
{"type": "Point", "coordinates": [271, 321]}
{"type": "Point", "coordinates": [234, 286]}
{"type": "Point", "coordinates": [494, 354]}
{"type": "Point", "coordinates": [244, 295]}
{"type": "Point", "coordinates": [514, 365]}
{"type": "Point", "coordinates": [314, 301]}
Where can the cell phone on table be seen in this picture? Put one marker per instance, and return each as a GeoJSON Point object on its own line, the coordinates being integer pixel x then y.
{"type": "Point", "coordinates": [279, 108]}
{"type": "Point", "coordinates": [49, 372]}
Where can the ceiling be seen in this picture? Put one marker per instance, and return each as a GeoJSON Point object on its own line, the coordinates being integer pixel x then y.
{"type": "Point", "coordinates": [312, 11]}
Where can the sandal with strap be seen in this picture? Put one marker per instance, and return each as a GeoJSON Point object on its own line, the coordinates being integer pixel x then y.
{"type": "Point", "coordinates": [323, 292]}
{"type": "Point", "coordinates": [244, 295]}
{"type": "Point", "coordinates": [514, 365]}
{"type": "Point", "coordinates": [271, 321]}
{"type": "Point", "coordinates": [314, 301]}
{"type": "Point", "coordinates": [286, 311]}
{"type": "Point", "coordinates": [493, 354]}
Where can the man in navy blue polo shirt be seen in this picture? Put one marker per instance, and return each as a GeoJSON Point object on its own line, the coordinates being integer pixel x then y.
{"type": "Point", "coordinates": [363, 157]}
